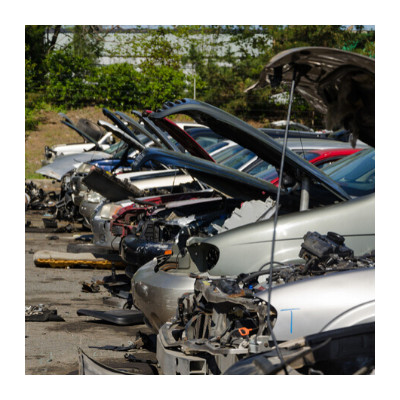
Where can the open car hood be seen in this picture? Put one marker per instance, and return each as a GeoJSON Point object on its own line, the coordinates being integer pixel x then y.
{"type": "Point", "coordinates": [183, 138]}
{"type": "Point", "coordinates": [159, 126]}
{"type": "Point", "coordinates": [89, 132]}
{"type": "Point", "coordinates": [225, 180]}
{"type": "Point", "coordinates": [251, 138]}
{"type": "Point", "coordinates": [123, 132]}
{"type": "Point", "coordinates": [64, 164]}
{"type": "Point", "coordinates": [335, 82]}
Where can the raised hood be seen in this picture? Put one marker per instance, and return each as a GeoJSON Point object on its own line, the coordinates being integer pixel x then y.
{"type": "Point", "coordinates": [64, 164]}
{"type": "Point", "coordinates": [157, 129]}
{"type": "Point", "coordinates": [124, 133]}
{"type": "Point", "coordinates": [335, 82]}
{"type": "Point", "coordinates": [225, 180]}
{"type": "Point", "coordinates": [251, 138]}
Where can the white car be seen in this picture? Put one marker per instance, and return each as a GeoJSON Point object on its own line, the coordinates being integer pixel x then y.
{"type": "Point", "coordinates": [100, 140]}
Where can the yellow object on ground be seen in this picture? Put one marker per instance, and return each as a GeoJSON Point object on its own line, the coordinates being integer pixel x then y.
{"type": "Point", "coordinates": [54, 259]}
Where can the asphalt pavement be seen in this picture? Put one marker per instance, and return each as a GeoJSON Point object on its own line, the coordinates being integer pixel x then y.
{"type": "Point", "coordinates": [51, 347]}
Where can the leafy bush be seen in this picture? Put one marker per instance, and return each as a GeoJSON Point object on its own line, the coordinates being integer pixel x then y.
{"type": "Point", "coordinates": [33, 104]}
{"type": "Point", "coordinates": [117, 86]}
{"type": "Point", "coordinates": [69, 79]}
{"type": "Point", "coordinates": [161, 83]}
{"type": "Point", "coordinates": [31, 120]}
{"type": "Point", "coordinates": [74, 81]}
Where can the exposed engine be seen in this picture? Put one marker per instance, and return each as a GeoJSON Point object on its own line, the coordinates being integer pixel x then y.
{"type": "Point", "coordinates": [36, 198]}
{"type": "Point", "coordinates": [225, 320]}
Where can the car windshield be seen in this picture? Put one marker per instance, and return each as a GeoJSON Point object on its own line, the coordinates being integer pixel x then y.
{"type": "Point", "coordinates": [215, 147]}
{"type": "Point", "coordinates": [269, 172]}
{"type": "Point", "coordinates": [118, 154]}
{"type": "Point", "coordinates": [260, 167]}
{"type": "Point", "coordinates": [115, 147]}
{"type": "Point", "coordinates": [204, 137]}
{"type": "Point", "coordinates": [225, 154]}
{"type": "Point", "coordinates": [143, 139]}
{"type": "Point", "coordinates": [239, 159]}
{"type": "Point", "coordinates": [355, 173]}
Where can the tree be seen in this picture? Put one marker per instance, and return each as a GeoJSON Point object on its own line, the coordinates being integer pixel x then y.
{"type": "Point", "coordinates": [40, 40]}
{"type": "Point", "coordinates": [88, 41]}
{"type": "Point", "coordinates": [335, 36]}
{"type": "Point", "coordinates": [161, 75]}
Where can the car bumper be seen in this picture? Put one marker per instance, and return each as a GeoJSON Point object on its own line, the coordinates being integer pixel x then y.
{"type": "Point", "coordinates": [156, 294]}
{"type": "Point", "coordinates": [102, 235]}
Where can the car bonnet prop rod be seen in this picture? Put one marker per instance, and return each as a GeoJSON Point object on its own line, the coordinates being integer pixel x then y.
{"type": "Point", "coordinates": [276, 219]}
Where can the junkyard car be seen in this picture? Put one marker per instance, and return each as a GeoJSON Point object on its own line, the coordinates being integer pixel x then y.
{"type": "Point", "coordinates": [94, 137]}
{"type": "Point", "coordinates": [230, 318]}
{"type": "Point", "coordinates": [223, 322]}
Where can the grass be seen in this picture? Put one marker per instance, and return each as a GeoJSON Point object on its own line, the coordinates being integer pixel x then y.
{"type": "Point", "coordinates": [49, 132]}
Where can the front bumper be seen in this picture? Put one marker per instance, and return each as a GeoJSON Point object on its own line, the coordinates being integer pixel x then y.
{"type": "Point", "coordinates": [156, 294]}
{"type": "Point", "coordinates": [87, 208]}
{"type": "Point", "coordinates": [175, 362]}
{"type": "Point", "coordinates": [102, 235]}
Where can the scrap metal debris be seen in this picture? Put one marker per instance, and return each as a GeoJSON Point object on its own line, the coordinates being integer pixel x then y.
{"type": "Point", "coordinates": [35, 197]}
{"type": "Point", "coordinates": [92, 287]}
{"type": "Point", "coordinates": [141, 341]}
{"type": "Point", "coordinates": [130, 346]}
{"type": "Point", "coordinates": [88, 366]}
{"type": "Point", "coordinates": [118, 317]}
{"type": "Point", "coordinates": [132, 358]}
{"type": "Point", "coordinates": [65, 229]}
{"type": "Point", "coordinates": [52, 237]}
{"type": "Point", "coordinates": [84, 238]}
{"type": "Point", "coordinates": [40, 313]}
{"type": "Point", "coordinates": [49, 221]}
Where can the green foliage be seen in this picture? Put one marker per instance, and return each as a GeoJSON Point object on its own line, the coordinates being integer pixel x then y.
{"type": "Point", "coordinates": [39, 42]}
{"type": "Point", "coordinates": [34, 103]}
{"type": "Point", "coordinates": [35, 53]}
{"type": "Point", "coordinates": [68, 78]}
{"type": "Point", "coordinates": [161, 83]}
{"type": "Point", "coordinates": [88, 42]}
{"type": "Point", "coordinates": [30, 75]}
{"type": "Point", "coordinates": [31, 120]}
{"type": "Point", "coordinates": [161, 77]}
{"type": "Point", "coordinates": [223, 60]}
{"type": "Point", "coordinates": [117, 86]}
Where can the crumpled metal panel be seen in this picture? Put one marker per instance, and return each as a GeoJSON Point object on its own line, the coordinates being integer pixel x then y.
{"type": "Point", "coordinates": [88, 366]}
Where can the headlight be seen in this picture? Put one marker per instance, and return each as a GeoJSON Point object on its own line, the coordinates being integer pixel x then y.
{"type": "Point", "coordinates": [109, 210]}
{"type": "Point", "coordinates": [83, 168]}
{"type": "Point", "coordinates": [94, 197]}
{"type": "Point", "coordinates": [212, 256]}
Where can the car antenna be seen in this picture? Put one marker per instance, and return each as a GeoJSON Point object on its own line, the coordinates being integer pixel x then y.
{"type": "Point", "coordinates": [276, 220]}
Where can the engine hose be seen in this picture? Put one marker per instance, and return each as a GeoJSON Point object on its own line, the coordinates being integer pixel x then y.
{"type": "Point", "coordinates": [260, 272]}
